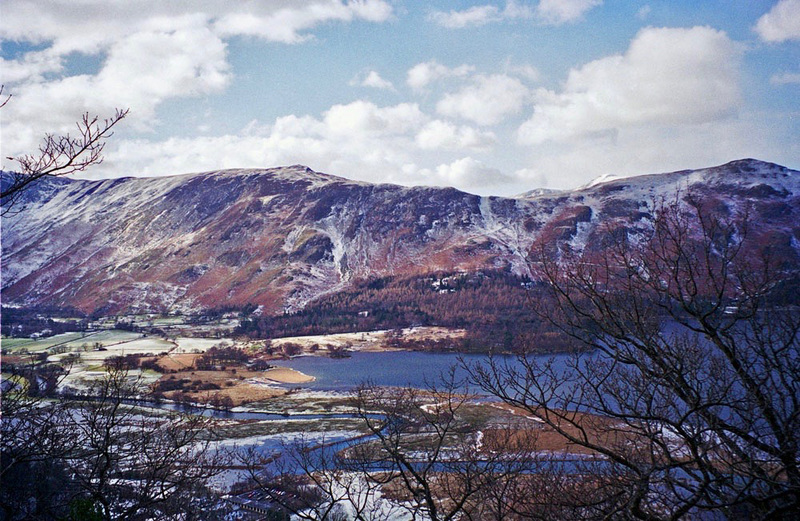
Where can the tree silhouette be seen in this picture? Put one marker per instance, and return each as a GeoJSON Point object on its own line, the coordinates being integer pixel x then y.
{"type": "Point", "coordinates": [59, 155]}
{"type": "Point", "coordinates": [692, 390]}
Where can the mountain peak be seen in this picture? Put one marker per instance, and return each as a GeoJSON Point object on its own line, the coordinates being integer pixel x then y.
{"type": "Point", "coordinates": [295, 172]}
{"type": "Point", "coordinates": [605, 178]}
{"type": "Point", "coordinates": [750, 165]}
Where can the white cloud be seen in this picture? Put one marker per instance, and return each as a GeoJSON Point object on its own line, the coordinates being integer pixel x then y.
{"type": "Point", "coordinates": [557, 12]}
{"type": "Point", "coordinates": [372, 79]}
{"type": "Point", "coordinates": [31, 67]}
{"type": "Point", "coordinates": [644, 12]}
{"type": "Point", "coordinates": [358, 140]}
{"type": "Point", "coordinates": [466, 173]}
{"type": "Point", "coordinates": [149, 67]}
{"type": "Point", "coordinates": [531, 179]}
{"type": "Point", "coordinates": [139, 72]}
{"type": "Point", "coordinates": [785, 78]}
{"type": "Point", "coordinates": [486, 101]}
{"type": "Point", "coordinates": [548, 12]}
{"type": "Point", "coordinates": [395, 143]}
{"type": "Point", "coordinates": [90, 25]}
{"type": "Point", "coordinates": [423, 74]}
{"type": "Point", "coordinates": [362, 118]}
{"type": "Point", "coordinates": [527, 72]}
{"type": "Point", "coordinates": [667, 76]}
{"type": "Point", "coordinates": [439, 134]}
{"type": "Point", "coordinates": [652, 148]}
{"type": "Point", "coordinates": [287, 23]}
{"type": "Point", "coordinates": [148, 52]}
{"type": "Point", "coordinates": [781, 23]}
{"type": "Point", "coordinates": [474, 16]}
{"type": "Point", "coordinates": [480, 15]}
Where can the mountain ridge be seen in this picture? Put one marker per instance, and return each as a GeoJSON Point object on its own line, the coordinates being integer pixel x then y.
{"type": "Point", "coordinates": [281, 237]}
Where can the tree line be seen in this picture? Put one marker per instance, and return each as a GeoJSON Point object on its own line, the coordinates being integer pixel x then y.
{"type": "Point", "coordinates": [491, 305]}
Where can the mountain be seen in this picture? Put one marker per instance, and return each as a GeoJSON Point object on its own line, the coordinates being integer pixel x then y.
{"type": "Point", "coordinates": [282, 237]}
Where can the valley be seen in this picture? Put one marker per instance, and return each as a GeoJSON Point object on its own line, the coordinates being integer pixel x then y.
{"type": "Point", "coordinates": [302, 333]}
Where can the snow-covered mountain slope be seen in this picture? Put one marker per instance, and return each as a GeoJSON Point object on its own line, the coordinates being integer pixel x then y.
{"type": "Point", "coordinates": [283, 236]}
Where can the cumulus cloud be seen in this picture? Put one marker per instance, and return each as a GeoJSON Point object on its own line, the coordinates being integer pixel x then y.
{"type": "Point", "coordinates": [148, 67]}
{"type": "Point", "coordinates": [467, 173]}
{"type": "Point", "coordinates": [89, 25]}
{"type": "Point", "coordinates": [140, 72]}
{"type": "Point", "coordinates": [528, 72]}
{"type": "Point", "coordinates": [372, 79]}
{"type": "Point", "coordinates": [147, 52]}
{"type": "Point", "coordinates": [364, 118]}
{"type": "Point", "coordinates": [667, 76]}
{"type": "Point", "coordinates": [548, 12]}
{"type": "Point", "coordinates": [359, 140]}
{"type": "Point", "coordinates": [354, 139]}
{"type": "Point", "coordinates": [423, 74]}
{"type": "Point", "coordinates": [288, 22]}
{"type": "Point", "coordinates": [557, 12]}
{"type": "Point", "coordinates": [781, 23]}
{"type": "Point", "coordinates": [379, 144]}
{"type": "Point", "coordinates": [475, 16]}
{"type": "Point", "coordinates": [659, 148]}
{"type": "Point", "coordinates": [31, 67]}
{"type": "Point", "coordinates": [439, 134]}
{"type": "Point", "coordinates": [486, 101]}
{"type": "Point", "coordinates": [480, 15]}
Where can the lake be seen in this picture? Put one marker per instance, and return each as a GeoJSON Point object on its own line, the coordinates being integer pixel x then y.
{"type": "Point", "coordinates": [391, 368]}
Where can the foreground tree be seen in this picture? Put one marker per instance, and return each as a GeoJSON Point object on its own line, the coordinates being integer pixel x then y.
{"type": "Point", "coordinates": [99, 457]}
{"type": "Point", "coordinates": [428, 454]}
{"type": "Point", "coordinates": [58, 155]}
{"type": "Point", "coordinates": [692, 389]}
{"type": "Point", "coordinates": [34, 438]}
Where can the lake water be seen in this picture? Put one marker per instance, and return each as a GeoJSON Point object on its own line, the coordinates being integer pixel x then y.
{"type": "Point", "coordinates": [393, 368]}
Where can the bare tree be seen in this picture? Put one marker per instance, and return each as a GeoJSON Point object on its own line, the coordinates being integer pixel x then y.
{"type": "Point", "coordinates": [34, 437]}
{"type": "Point", "coordinates": [692, 387]}
{"type": "Point", "coordinates": [110, 459]}
{"type": "Point", "coordinates": [59, 155]}
{"type": "Point", "coordinates": [428, 455]}
{"type": "Point", "coordinates": [314, 480]}
{"type": "Point", "coordinates": [135, 466]}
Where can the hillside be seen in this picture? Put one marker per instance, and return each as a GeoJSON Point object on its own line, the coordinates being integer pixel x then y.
{"type": "Point", "coordinates": [282, 237]}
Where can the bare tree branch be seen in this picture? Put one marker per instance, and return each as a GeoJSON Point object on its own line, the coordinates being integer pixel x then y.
{"type": "Point", "coordinates": [691, 389]}
{"type": "Point", "coordinates": [59, 155]}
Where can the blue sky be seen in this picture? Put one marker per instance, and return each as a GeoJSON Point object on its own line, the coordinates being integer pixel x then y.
{"type": "Point", "coordinates": [490, 97]}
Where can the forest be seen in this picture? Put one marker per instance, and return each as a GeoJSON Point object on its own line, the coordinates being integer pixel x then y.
{"type": "Point", "coordinates": [493, 306]}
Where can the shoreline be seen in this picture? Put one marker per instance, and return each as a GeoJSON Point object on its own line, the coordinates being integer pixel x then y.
{"type": "Point", "coordinates": [286, 375]}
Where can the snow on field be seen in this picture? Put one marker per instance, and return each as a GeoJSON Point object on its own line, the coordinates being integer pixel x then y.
{"type": "Point", "coordinates": [363, 340]}
{"type": "Point", "coordinates": [189, 345]}
{"type": "Point", "coordinates": [42, 344]}
{"type": "Point", "coordinates": [143, 346]}
{"type": "Point", "coordinates": [13, 343]}
{"type": "Point", "coordinates": [307, 394]}
{"type": "Point", "coordinates": [337, 339]}
{"type": "Point", "coordinates": [82, 342]}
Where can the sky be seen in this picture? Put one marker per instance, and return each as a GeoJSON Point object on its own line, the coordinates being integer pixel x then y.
{"type": "Point", "coordinates": [492, 97]}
